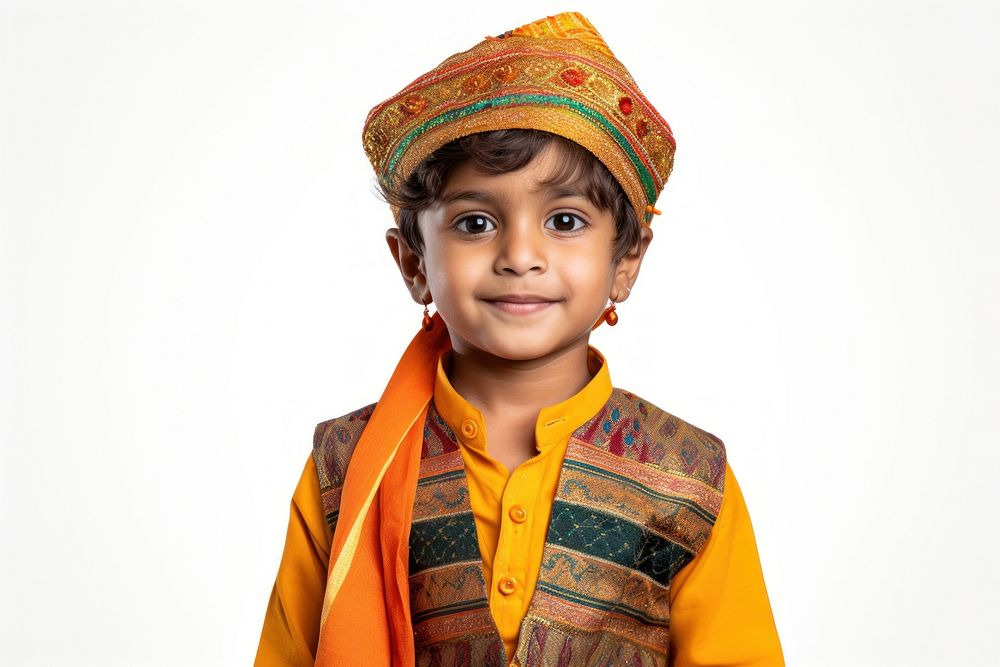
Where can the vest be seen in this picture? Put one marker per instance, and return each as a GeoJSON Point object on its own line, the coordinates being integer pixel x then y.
{"type": "Point", "coordinates": [637, 497]}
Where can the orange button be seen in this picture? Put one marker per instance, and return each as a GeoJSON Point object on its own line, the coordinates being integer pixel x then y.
{"type": "Point", "coordinates": [507, 585]}
{"type": "Point", "coordinates": [518, 514]}
{"type": "Point", "coordinates": [469, 428]}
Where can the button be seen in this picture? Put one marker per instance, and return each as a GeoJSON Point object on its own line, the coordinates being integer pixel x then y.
{"type": "Point", "coordinates": [518, 514]}
{"type": "Point", "coordinates": [507, 585]}
{"type": "Point", "coordinates": [469, 428]}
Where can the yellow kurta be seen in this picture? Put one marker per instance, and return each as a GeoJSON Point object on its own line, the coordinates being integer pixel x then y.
{"type": "Point", "coordinates": [719, 610]}
{"type": "Point", "coordinates": [512, 510]}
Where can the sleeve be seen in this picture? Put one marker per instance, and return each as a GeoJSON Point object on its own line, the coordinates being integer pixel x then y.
{"type": "Point", "coordinates": [291, 622]}
{"type": "Point", "coordinates": [719, 610]}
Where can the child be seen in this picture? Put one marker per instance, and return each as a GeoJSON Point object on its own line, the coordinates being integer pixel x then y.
{"type": "Point", "coordinates": [502, 503]}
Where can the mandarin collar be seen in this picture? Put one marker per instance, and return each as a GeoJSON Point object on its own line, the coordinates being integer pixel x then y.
{"type": "Point", "coordinates": [554, 423]}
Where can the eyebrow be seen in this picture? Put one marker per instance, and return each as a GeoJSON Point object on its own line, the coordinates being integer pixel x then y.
{"type": "Point", "coordinates": [557, 191]}
{"type": "Point", "coordinates": [468, 195]}
{"type": "Point", "coordinates": [561, 190]}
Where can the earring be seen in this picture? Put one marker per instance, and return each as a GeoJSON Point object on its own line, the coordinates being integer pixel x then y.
{"type": "Point", "coordinates": [427, 323]}
{"type": "Point", "coordinates": [610, 316]}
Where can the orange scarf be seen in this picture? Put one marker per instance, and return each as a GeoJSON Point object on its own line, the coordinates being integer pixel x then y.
{"type": "Point", "coordinates": [366, 611]}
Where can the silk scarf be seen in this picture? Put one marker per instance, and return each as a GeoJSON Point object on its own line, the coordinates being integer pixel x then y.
{"type": "Point", "coordinates": [366, 609]}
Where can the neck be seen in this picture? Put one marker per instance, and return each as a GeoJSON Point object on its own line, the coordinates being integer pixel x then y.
{"type": "Point", "coordinates": [494, 384]}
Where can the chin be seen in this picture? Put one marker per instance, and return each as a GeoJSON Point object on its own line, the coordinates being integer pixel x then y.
{"type": "Point", "coordinates": [521, 345]}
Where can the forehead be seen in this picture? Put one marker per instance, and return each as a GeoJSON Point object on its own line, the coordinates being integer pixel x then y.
{"type": "Point", "coordinates": [554, 167]}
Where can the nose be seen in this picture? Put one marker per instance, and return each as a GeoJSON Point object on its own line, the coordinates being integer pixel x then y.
{"type": "Point", "coordinates": [521, 249]}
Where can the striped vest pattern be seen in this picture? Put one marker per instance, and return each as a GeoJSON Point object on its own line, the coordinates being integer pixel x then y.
{"type": "Point", "coordinates": [638, 494]}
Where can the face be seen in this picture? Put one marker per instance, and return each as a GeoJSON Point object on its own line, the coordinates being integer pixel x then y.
{"type": "Point", "coordinates": [518, 269]}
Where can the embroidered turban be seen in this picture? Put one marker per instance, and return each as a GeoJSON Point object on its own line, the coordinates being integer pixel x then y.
{"type": "Point", "coordinates": [556, 75]}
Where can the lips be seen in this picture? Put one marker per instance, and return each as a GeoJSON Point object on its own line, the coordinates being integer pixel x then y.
{"type": "Point", "coordinates": [521, 298]}
{"type": "Point", "coordinates": [520, 304]}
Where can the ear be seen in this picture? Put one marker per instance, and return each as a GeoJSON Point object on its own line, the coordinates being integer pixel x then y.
{"type": "Point", "coordinates": [411, 266]}
{"type": "Point", "coordinates": [627, 268]}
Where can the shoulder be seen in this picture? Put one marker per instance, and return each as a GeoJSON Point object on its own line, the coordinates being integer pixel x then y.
{"type": "Point", "coordinates": [333, 443]}
{"type": "Point", "coordinates": [634, 428]}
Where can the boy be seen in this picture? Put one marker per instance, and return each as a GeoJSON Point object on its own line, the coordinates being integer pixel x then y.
{"type": "Point", "coordinates": [502, 503]}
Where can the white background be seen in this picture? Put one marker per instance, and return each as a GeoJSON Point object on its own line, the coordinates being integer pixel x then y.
{"type": "Point", "coordinates": [193, 274]}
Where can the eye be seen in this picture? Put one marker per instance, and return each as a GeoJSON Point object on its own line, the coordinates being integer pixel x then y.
{"type": "Point", "coordinates": [566, 222]}
{"type": "Point", "coordinates": [475, 224]}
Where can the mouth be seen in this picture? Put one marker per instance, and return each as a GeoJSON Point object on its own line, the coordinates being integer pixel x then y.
{"type": "Point", "coordinates": [521, 304]}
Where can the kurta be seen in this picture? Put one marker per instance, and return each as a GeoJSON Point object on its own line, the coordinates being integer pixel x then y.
{"type": "Point", "coordinates": [719, 613]}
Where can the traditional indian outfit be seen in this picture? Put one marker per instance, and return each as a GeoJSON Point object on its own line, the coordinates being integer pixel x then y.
{"type": "Point", "coordinates": [624, 541]}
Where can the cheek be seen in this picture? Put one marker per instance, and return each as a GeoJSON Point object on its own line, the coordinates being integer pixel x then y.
{"type": "Point", "coordinates": [451, 271]}
{"type": "Point", "coordinates": [589, 274]}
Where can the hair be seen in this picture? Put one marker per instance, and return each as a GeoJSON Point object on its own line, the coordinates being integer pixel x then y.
{"type": "Point", "coordinates": [500, 151]}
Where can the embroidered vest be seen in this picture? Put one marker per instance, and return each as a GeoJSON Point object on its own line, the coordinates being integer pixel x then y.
{"type": "Point", "coordinates": [638, 494]}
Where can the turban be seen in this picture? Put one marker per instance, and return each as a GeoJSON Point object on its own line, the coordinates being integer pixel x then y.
{"type": "Point", "coordinates": [556, 75]}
